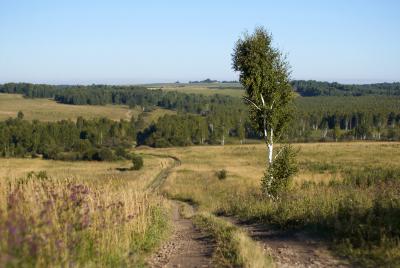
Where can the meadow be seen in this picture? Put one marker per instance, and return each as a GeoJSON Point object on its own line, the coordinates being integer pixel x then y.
{"type": "Point", "coordinates": [59, 213]}
{"type": "Point", "coordinates": [84, 214]}
{"type": "Point", "coordinates": [153, 115]}
{"type": "Point", "coordinates": [39, 109]}
{"type": "Point", "coordinates": [344, 192]}
{"type": "Point", "coordinates": [207, 89]}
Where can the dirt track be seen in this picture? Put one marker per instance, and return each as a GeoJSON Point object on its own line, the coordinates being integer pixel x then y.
{"type": "Point", "coordinates": [292, 249]}
{"type": "Point", "coordinates": [188, 247]}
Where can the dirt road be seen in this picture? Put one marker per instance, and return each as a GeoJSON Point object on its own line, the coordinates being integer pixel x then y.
{"type": "Point", "coordinates": [187, 247]}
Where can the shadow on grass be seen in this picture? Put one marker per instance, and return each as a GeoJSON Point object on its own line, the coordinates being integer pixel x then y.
{"type": "Point", "coordinates": [123, 169]}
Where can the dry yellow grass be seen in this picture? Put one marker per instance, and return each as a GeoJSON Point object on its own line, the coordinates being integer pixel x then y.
{"type": "Point", "coordinates": [49, 110]}
{"type": "Point", "coordinates": [98, 216]}
{"type": "Point", "coordinates": [195, 179]}
{"type": "Point", "coordinates": [83, 170]}
{"type": "Point", "coordinates": [203, 89]}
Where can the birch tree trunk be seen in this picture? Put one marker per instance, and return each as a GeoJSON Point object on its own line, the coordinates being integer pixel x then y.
{"type": "Point", "coordinates": [270, 146]}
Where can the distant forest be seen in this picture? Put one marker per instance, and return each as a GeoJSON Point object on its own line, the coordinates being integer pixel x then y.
{"type": "Point", "coordinates": [311, 88]}
{"type": "Point", "coordinates": [305, 88]}
{"type": "Point", "coordinates": [333, 113]}
{"type": "Point", "coordinates": [316, 88]}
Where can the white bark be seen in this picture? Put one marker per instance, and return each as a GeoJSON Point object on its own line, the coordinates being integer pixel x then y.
{"type": "Point", "coordinates": [269, 140]}
{"type": "Point", "coordinates": [270, 149]}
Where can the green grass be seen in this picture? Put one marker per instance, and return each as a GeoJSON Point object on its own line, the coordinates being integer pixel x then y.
{"type": "Point", "coordinates": [154, 115]}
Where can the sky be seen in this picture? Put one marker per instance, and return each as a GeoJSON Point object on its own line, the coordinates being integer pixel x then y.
{"type": "Point", "coordinates": [130, 42]}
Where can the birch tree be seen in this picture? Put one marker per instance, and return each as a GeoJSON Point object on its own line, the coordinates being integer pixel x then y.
{"type": "Point", "coordinates": [264, 74]}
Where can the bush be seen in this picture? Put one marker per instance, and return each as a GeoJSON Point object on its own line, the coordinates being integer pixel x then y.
{"type": "Point", "coordinates": [221, 174]}
{"type": "Point", "coordinates": [106, 154]}
{"type": "Point", "coordinates": [122, 153]}
{"type": "Point", "coordinates": [280, 173]}
{"type": "Point", "coordinates": [137, 162]}
{"type": "Point", "coordinates": [103, 154]}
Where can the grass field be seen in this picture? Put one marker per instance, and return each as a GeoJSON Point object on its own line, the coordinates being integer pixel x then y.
{"type": "Point", "coordinates": [39, 109]}
{"type": "Point", "coordinates": [85, 214]}
{"type": "Point", "coordinates": [347, 193]}
{"type": "Point", "coordinates": [343, 191]}
{"type": "Point", "coordinates": [202, 88]}
{"type": "Point", "coordinates": [154, 115]}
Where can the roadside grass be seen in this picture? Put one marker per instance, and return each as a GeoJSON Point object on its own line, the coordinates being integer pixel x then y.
{"type": "Point", "coordinates": [79, 214]}
{"type": "Point", "coordinates": [234, 247]}
{"type": "Point", "coordinates": [39, 109]}
{"type": "Point", "coordinates": [346, 192]}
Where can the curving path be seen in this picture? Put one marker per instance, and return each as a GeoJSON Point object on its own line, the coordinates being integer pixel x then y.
{"type": "Point", "coordinates": [188, 246]}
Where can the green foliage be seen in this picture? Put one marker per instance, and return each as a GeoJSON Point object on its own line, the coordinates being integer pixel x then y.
{"type": "Point", "coordinates": [137, 162]}
{"type": "Point", "coordinates": [316, 88]}
{"type": "Point", "coordinates": [65, 140]}
{"type": "Point", "coordinates": [264, 74]}
{"type": "Point", "coordinates": [279, 175]}
{"type": "Point", "coordinates": [221, 174]}
{"type": "Point", "coordinates": [20, 115]}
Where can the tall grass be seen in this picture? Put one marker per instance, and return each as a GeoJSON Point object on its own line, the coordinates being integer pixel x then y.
{"type": "Point", "coordinates": [361, 214]}
{"type": "Point", "coordinates": [234, 247]}
{"type": "Point", "coordinates": [348, 193]}
{"type": "Point", "coordinates": [48, 222]}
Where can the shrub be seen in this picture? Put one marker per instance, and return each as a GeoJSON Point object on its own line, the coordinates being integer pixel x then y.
{"type": "Point", "coordinates": [122, 153]}
{"type": "Point", "coordinates": [106, 154]}
{"type": "Point", "coordinates": [103, 154]}
{"type": "Point", "coordinates": [137, 162]}
{"type": "Point", "coordinates": [221, 174]}
{"type": "Point", "coordinates": [279, 174]}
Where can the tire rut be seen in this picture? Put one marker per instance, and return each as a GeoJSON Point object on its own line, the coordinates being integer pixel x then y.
{"type": "Point", "coordinates": [291, 249]}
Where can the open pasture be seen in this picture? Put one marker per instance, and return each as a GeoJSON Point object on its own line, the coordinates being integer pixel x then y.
{"type": "Point", "coordinates": [233, 90]}
{"type": "Point", "coordinates": [345, 192]}
{"type": "Point", "coordinates": [49, 110]}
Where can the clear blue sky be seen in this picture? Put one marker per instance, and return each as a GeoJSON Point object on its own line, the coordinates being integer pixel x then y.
{"type": "Point", "coordinates": [120, 42]}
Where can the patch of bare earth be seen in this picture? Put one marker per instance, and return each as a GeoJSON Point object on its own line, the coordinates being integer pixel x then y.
{"type": "Point", "coordinates": [292, 249]}
{"type": "Point", "coordinates": [188, 246]}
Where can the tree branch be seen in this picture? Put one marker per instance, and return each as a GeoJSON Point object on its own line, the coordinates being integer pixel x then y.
{"type": "Point", "coordinates": [278, 153]}
{"type": "Point", "coordinates": [262, 99]}
{"type": "Point", "coordinates": [252, 102]}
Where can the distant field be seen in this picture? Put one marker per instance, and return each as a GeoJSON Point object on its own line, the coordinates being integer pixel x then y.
{"type": "Point", "coordinates": [202, 88]}
{"type": "Point", "coordinates": [150, 117]}
{"type": "Point", "coordinates": [48, 110]}
{"type": "Point", "coordinates": [245, 165]}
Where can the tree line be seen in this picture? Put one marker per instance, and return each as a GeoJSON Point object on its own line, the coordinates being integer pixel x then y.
{"type": "Point", "coordinates": [218, 119]}
{"type": "Point", "coordinates": [126, 95]}
{"type": "Point", "coordinates": [311, 88]}
{"type": "Point", "coordinates": [95, 139]}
